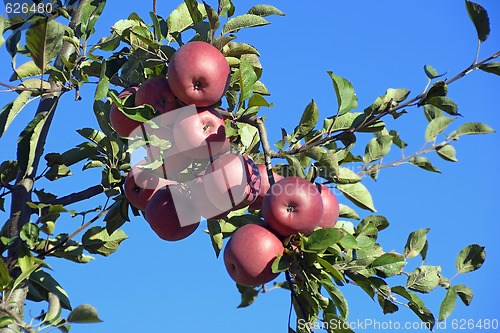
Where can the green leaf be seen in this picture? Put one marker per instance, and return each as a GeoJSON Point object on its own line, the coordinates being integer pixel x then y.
{"type": "Point", "coordinates": [322, 239]}
{"type": "Point", "coordinates": [411, 297]}
{"type": "Point", "coordinates": [470, 258]}
{"type": "Point", "coordinates": [479, 17]}
{"type": "Point", "coordinates": [346, 97]}
{"type": "Point", "coordinates": [243, 21]}
{"type": "Point", "coordinates": [84, 313]}
{"type": "Point", "coordinates": [194, 12]}
{"type": "Point", "coordinates": [28, 69]}
{"type": "Point", "coordinates": [248, 295]}
{"type": "Point", "coordinates": [28, 141]}
{"type": "Point", "coordinates": [307, 122]}
{"type": "Point", "coordinates": [8, 171]}
{"type": "Point", "coordinates": [247, 78]}
{"type": "Point", "coordinates": [424, 279]}
{"type": "Point", "coordinates": [377, 148]}
{"type": "Point", "coordinates": [471, 128]}
{"type": "Point", "coordinates": [448, 304]}
{"type": "Point", "coordinates": [491, 67]}
{"type": "Point", "coordinates": [239, 49]}
{"type": "Point", "coordinates": [338, 277]}
{"type": "Point", "coordinates": [295, 166]}
{"type": "Point", "coordinates": [423, 163]}
{"type": "Point", "coordinates": [358, 194]}
{"type": "Point", "coordinates": [281, 264]}
{"type": "Point", "coordinates": [415, 243]}
{"type": "Point", "coordinates": [97, 240]}
{"type": "Point", "coordinates": [2, 26]}
{"type": "Point", "coordinates": [431, 112]}
{"type": "Point", "coordinates": [5, 278]}
{"type": "Point", "coordinates": [160, 26]}
{"type": "Point", "coordinates": [436, 126]}
{"type": "Point", "coordinates": [226, 8]}
{"type": "Point", "coordinates": [93, 135]}
{"type": "Point", "coordinates": [347, 212]}
{"type": "Point", "coordinates": [58, 171]}
{"type": "Point", "coordinates": [214, 228]}
{"type": "Point", "coordinates": [265, 10]}
{"type": "Point", "coordinates": [464, 292]}
{"type": "Point", "coordinates": [91, 11]}
{"type": "Point", "coordinates": [11, 110]}
{"type": "Point", "coordinates": [386, 305]}
{"type": "Point", "coordinates": [416, 305]}
{"type": "Point", "coordinates": [397, 140]}
{"type": "Point", "coordinates": [44, 40]}
{"type": "Point", "coordinates": [336, 324]}
{"type": "Point", "coordinates": [447, 152]}
{"type": "Point", "coordinates": [389, 264]}
{"type": "Point", "coordinates": [379, 221]}
{"type": "Point", "coordinates": [444, 103]}
{"type": "Point", "coordinates": [337, 297]}
{"type": "Point", "coordinates": [45, 284]}
{"type": "Point", "coordinates": [346, 176]}
{"type": "Point", "coordinates": [431, 72]}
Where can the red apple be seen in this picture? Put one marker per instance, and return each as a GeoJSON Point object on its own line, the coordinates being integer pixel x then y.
{"type": "Point", "coordinates": [174, 161]}
{"type": "Point", "coordinates": [198, 73]}
{"type": "Point", "coordinates": [156, 92]}
{"type": "Point", "coordinates": [201, 201]}
{"type": "Point", "coordinates": [232, 182]}
{"type": "Point", "coordinates": [264, 186]}
{"type": "Point", "coordinates": [170, 213]}
{"type": "Point", "coordinates": [122, 124]}
{"type": "Point", "coordinates": [330, 207]}
{"type": "Point", "coordinates": [292, 205]}
{"type": "Point", "coordinates": [140, 186]}
{"type": "Point", "coordinates": [250, 253]}
{"type": "Point", "coordinates": [200, 133]}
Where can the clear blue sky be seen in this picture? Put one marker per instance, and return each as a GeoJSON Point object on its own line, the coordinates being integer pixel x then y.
{"type": "Point", "coordinates": [151, 285]}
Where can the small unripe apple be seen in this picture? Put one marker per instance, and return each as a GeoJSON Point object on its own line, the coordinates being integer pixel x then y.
{"type": "Point", "coordinates": [140, 186]}
{"type": "Point", "coordinates": [122, 124]}
{"type": "Point", "coordinates": [292, 205]}
{"type": "Point", "coordinates": [250, 253]}
{"type": "Point", "coordinates": [264, 186]}
{"type": "Point", "coordinates": [330, 207]}
{"type": "Point", "coordinates": [198, 73]}
{"type": "Point", "coordinates": [171, 214]}
{"type": "Point", "coordinates": [157, 93]}
{"type": "Point", "coordinates": [232, 182]}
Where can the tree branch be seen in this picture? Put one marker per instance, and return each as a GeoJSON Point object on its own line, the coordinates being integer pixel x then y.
{"type": "Point", "coordinates": [21, 191]}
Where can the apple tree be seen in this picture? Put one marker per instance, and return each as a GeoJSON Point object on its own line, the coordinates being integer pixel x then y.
{"type": "Point", "coordinates": [148, 73]}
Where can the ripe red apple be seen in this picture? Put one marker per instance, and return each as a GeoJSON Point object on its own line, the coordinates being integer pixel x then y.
{"type": "Point", "coordinates": [292, 205]}
{"type": "Point", "coordinates": [156, 92]}
{"type": "Point", "coordinates": [173, 161]}
{"type": "Point", "coordinates": [140, 186]}
{"type": "Point", "coordinates": [201, 201]}
{"type": "Point", "coordinates": [232, 181]}
{"type": "Point", "coordinates": [199, 132]}
{"type": "Point", "coordinates": [330, 207]}
{"type": "Point", "coordinates": [122, 124]}
{"type": "Point", "coordinates": [170, 213]}
{"type": "Point", "coordinates": [250, 253]}
{"type": "Point", "coordinates": [264, 186]}
{"type": "Point", "coordinates": [198, 73]}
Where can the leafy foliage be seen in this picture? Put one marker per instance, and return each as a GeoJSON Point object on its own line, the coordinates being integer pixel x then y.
{"type": "Point", "coordinates": [316, 266]}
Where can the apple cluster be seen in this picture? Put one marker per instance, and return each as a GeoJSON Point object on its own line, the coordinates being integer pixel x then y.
{"type": "Point", "coordinates": [190, 131]}
{"type": "Point", "coordinates": [221, 181]}
{"type": "Point", "coordinates": [290, 206]}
